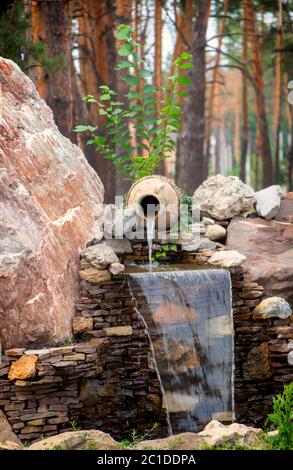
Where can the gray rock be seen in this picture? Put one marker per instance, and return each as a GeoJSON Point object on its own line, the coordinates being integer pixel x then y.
{"type": "Point", "coordinates": [223, 197]}
{"type": "Point", "coordinates": [272, 307]}
{"type": "Point", "coordinates": [268, 201]}
{"type": "Point", "coordinates": [227, 259]}
{"type": "Point", "coordinates": [77, 440]}
{"type": "Point", "coordinates": [100, 255]}
{"type": "Point", "coordinates": [207, 221]}
{"type": "Point", "coordinates": [217, 434]}
{"type": "Point", "coordinates": [92, 390]}
{"type": "Point", "coordinates": [119, 247]}
{"type": "Point", "coordinates": [116, 268]}
{"type": "Point", "coordinates": [290, 358]}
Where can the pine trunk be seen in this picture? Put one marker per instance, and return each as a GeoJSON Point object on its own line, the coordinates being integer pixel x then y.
{"type": "Point", "coordinates": [51, 25]}
{"type": "Point", "coordinates": [245, 129]}
{"type": "Point", "coordinates": [215, 88]}
{"type": "Point", "coordinates": [257, 72]}
{"type": "Point", "coordinates": [277, 96]}
{"type": "Point", "coordinates": [190, 166]}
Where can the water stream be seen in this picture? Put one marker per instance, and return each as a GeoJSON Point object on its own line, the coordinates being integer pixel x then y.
{"type": "Point", "coordinates": [150, 225]}
{"type": "Point", "coordinates": [188, 319]}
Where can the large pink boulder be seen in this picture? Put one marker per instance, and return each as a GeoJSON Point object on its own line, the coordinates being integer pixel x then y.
{"type": "Point", "coordinates": [268, 247]}
{"type": "Point", "coordinates": [50, 203]}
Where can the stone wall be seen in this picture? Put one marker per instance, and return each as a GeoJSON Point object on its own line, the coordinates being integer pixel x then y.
{"type": "Point", "coordinates": [106, 379]}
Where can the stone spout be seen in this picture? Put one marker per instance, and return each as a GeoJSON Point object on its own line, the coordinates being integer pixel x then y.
{"type": "Point", "coordinates": [157, 196]}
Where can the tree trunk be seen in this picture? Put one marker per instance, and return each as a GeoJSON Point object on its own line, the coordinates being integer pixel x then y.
{"type": "Point", "coordinates": [97, 46]}
{"type": "Point", "coordinates": [278, 95]}
{"type": "Point", "coordinates": [289, 156]}
{"type": "Point", "coordinates": [257, 72]}
{"type": "Point", "coordinates": [245, 130]}
{"type": "Point", "coordinates": [51, 25]}
{"type": "Point", "coordinates": [190, 167]}
{"type": "Point", "coordinates": [215, 89]}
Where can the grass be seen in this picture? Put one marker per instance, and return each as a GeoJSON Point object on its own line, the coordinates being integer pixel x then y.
{"type": "Point", "coordinates": [135, 437]}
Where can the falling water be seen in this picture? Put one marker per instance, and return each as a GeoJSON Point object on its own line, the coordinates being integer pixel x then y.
{"type": "Point", "coordinates": [150, 225]}
{"type": "Point", "coordinates": [154, 360]}
{"type": "Point", "coordinates": [188, 317]}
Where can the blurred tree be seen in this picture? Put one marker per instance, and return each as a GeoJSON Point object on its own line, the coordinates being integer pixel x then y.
{"type": "Point", "coordinates": [191, 167]}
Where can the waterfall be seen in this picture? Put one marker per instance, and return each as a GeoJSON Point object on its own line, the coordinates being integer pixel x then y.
{"type": "Point", "coordinates": [188, 318]}
{"type": "Point", "coordinates": [150, 225]}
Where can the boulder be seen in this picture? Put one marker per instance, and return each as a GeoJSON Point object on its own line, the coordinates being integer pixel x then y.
{"type": "Point", "coordinates": [223, 197]}
{"type": "Point", "coordinates": [227, 259]}
{"type": "Point", "coordinates": [215, 232]}
{"type": "Point", "coordinates": [77, 440]}
{"type": "Point", "coordinates": [217, 434]}
{"type": "Point", "coordinates": [214, 434]}
{"type": "Point", "coordinates": [268, 247]}
{"type": "Point", "coordinates": [273, 307]}
{"type": "Point", "coordinates": [118, 222]}
{"type": "Point", "coordinates": [6, 433]}
{"type": "Point", "coordinates": [99, 256]}
{"type": "Point", "coordinates": [10, 445]}
{"type": "Point", "coordinates": [268, 201]}
{"type": "Point", "coordinates": [183, 441]}
{"type": "Point", "coordinates": [50, 202]}
{"type": "Point", "coordinates": [24, 368]}
{"type": "Point", "coordinates": [285, 213]}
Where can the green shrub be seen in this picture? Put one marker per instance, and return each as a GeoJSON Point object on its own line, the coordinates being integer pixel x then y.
{"type": "Point", "coordinates": [282, 420]}
{"type": "Point", "coordinates": [155, 123]}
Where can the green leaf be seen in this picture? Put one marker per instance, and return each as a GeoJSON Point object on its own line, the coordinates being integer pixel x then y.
{"type": "Point", "coordinates": [83, 128]}
{"type": "Point", "coordinates": [124, 64]}
{"type": "Point", "coordinates": [117, 111]}
{"type": "Point", "coordinates": [125, 49]}
{"type": "Point", "coordinates": [105, 97]}
{"type": "Point", "coordinates": [124, 32]}
{"type": "Point", "coordinates": [186, 66]}
{"type": "Point", "coordinates": [89, 99]}
{"type": "Point", "coordinates": [131, 80]}
{"type": "Point", "coordinates": [183, 80]}
{"type": "Point", "coordinates": [149, 89]}
{"type": "Point", "coordinates": [185, 56]}
{"type": "Point", "coordinates": [145, 73]}
{"type": "Point", "coordinates": [102, 112]}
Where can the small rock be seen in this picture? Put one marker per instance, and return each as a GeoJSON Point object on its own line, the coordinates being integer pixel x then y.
{"type": "Point", "coordinates": [227, 259]}
{"type": "Point", "coordinates": [215, 232]}
{"type": "Point", "coordinates": [24, 368]}
{"type": "Point", "coordinates": [268, 201]}
{"type": "Point", "coordinates": [272, 307]}
{"type": "Point", "coordinates": [290, 358]}
{"type": "Point", "coordinates": [223, 197]}
{"type": "Point", "coordinates": [100, 255]}
{"type": "Point", "coordinates": [207, 221]}
{"type": "Point", "coordinates": [77, 440]}
{"type": "Point", "coordinates": [257, 366]}
{"type": "Point", "coordinates": [119, 331]}
{"type": "Point", "coordinates": [16, 352]}
{"type": "Point", "coordinates": [94, 276]}
{"type": "Point", "coordinates": [120, 247]}
{"type": "Point", "coordinates": [116, 268]}
{"type": "Point", "coordinates": [92, 390]}
{"type": "Point", "coordinates": [81, 324]}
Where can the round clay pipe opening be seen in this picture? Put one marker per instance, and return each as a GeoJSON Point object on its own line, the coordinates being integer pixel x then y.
{"type": "Point", "coordinates": [150, 206]}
